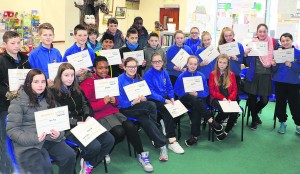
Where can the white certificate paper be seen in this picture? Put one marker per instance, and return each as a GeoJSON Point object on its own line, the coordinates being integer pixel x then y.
{"type": "Point", "coordinates": [52, 69]}
{"type": "Point", "coordinates": [258, 49]}
{"type": "Point", "coordinates": [231, 106]}
{"type": "Point", "coordinates": [107, 87]}
{"type": "Point", "coordinates": [209, 54]}
{"type": "Point", "coordinates": [135, 90]}
{"type": "Point", "coordinates": [138, 55]}
{"type": "Point", "coordinates": [55, 118]}
{"type": "Point", "coordinates": [81, 59]}
{"type": "Point", "coordinates": [180, 58]}
{"type": "Point", "coordinates": [281, 56]}
{"type": "Point", "coordinates": [177, 109]}
{"type": "Point", "coordinates": [231, 49]}
{"type": "Point", "coordinates": [88, 131]}
{"type": "Point", "coordinates": [16, 78]}
{"type": "Point", "coordinates": [194, 83]}
{"type": "Point", "coordinates": [113, 56]}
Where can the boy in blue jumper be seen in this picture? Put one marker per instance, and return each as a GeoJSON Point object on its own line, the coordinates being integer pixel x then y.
{"type": "Point", "coordinates": [80, 35]}
{"type": "Point", "coordinates": [45, 53]}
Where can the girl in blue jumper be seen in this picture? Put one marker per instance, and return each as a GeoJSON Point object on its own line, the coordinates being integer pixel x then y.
{"type": "Point", "coordinates": [143, 110]}
{"type": "Point", "coordinates": [193, 100]}
{"type": "Point", "coordinates": [194, 41]}
{"type": "Point", "coordinates": [287, 80]}
{"type": "Point", "coordinates": [227, 36]}
{"type": "Point", "coordinates": [162, 93]}
{"type": "Point", "coordinates": [174, 70]}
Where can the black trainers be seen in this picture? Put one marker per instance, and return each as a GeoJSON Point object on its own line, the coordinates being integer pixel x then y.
{"type": "Point", "coordinates": [193, 140]}
{"type": "Point", "coordinates": [218, 132]}
{"type": "Point", "coordinates": [222, 136]}
{"type": "Point", "coordinates": [258, 121]}
{"type": "Point", "coordinates": [253, 125]}
{"type": "Point", "coordinates": [216, 126]}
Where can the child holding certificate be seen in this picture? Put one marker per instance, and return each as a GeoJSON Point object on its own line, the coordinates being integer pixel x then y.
{"type": "Point", "coordinates": [141, 109]}
{"type": "Point", "coordinates": [194, 41]}
{"type": "Point", "coordinates": [222, 87]}
{"type": "Point", "coordinates": [258, 78]}
{"type": "Point", "coordinates": [132, 44]}
{"type": "Point", "coordinates": [107, 113]}
{"type": "Point", "coordinates": [67, 92]}
{"type": "Point", "coordinates": [194, 100]}
{"type": "Point", "coordinates": [162, 93]}
{"type": "Point", "coordinates": [33, 151]}
{"type": "Point", "coordinates": [227, 36]}
{"type": "Point", "coordinates": [286, 76]}
{"type": "Point", "coordinates": [174, 70]}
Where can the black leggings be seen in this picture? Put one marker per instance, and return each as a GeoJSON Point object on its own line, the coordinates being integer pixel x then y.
{"type": "Point", "coordinates": [130, 130]}
{"type": "Point", "coordinates": [255, 107]}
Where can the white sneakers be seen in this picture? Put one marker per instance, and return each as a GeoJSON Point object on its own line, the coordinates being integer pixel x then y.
{"type": "Point", "coordinates": [175, 147]}
{"type": "Point", "coordinates": [144, 160]}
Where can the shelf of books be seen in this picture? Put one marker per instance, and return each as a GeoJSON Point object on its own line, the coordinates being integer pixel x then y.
{"type": "Point", "coordinates": [167, 38]}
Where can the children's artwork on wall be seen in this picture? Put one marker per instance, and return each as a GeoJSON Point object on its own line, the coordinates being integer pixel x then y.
{"type": "Point", "coordinates": [120, 12]}
{"type": "Point", "coordinates": [133, 4]}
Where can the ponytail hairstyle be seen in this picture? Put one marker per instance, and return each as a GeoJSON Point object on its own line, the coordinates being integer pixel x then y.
{"type": "Point", "coordinates": [222, 39]}
{"type": "Point", "coordinates": [226, 81]}
{"type": "Point", "coordinates": [204, 33]}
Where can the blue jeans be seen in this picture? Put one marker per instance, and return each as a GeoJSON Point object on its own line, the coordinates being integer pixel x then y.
{"type": "Point", "coordinates": [146, 113]}
{"type": "Point", "coordinates": [95, 151]}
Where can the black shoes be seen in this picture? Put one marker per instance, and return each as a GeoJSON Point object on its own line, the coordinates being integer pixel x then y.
{"type": "Point", "coordinates": [222, 136]}
{"type": "Point", "coordinates": [253, 125]}
{"type": "Point", "coordinates": [193, 140]}
{"type": "Point", "coordinates": [216, 126]}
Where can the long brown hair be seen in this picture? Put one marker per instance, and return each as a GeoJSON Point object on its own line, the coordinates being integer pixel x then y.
{"type": "Point", "coordinates": [129, 59]}
{"type": "Point", "coordinates": [33, 100]}
{"type": "Point", "coordinates": [222, 39]}
{"type": "Point", "coordinates": [58, 83]}
{"type": "Point", "coordinates": [226, 81]}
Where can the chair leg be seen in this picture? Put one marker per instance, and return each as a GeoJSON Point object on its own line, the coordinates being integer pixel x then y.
{"type": "Point", "coordinates": [178, 129]}
{"type": "Point", "coordinates": [242, 133]}
{"type": "Point", "coordinates": [129, 148]}
{"type": "Point", "coordinates": [105, 166]}
{"type": "Point", "coordinates": [274, 118]}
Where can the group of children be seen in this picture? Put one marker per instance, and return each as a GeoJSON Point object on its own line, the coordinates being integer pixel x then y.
{"type": "Point", "coordinates": [220, 78]}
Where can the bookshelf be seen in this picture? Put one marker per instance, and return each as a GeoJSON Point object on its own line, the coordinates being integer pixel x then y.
{"type": "Point", "coordinates": [167, 38]}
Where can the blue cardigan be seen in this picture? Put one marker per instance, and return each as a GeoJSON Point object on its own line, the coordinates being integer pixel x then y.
{"type": "Point", "coordinates": [179, 87]}
{"type": "Point", "coordinates": [206, 70]}
{"type": "Point", "coordinates": [171, 53]}
{"type": "Point", "coordinates": [160, 84]}
{"type": "Point", "coordinates": [193, 44]}
{"type": "Point", "coordinates": [235, 66]}
{"type": "Point", "coordinates": [282, 73]}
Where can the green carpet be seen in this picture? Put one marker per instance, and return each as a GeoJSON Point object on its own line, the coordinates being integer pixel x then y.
{"type": "Point", "coordinates": [263, 151]}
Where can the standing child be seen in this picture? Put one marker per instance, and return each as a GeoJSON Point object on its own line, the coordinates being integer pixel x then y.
{"type": "Point", "coordinates": [92, 41]}
{"type": "Point", "coordinates": [141, 109]}
{"type": "Point", "coordinates": [194, 41]}
{"type": "Point", "coordinates": [287, 81]}
{"type": "Point", "coordinates": [258, 78]}
{"type": "Point", "coordinates": [227, 36]}
{"type": "Point", "coordinates": [195, 100]}
{"type": "Point", "coordinates": [67, 92]}
{"type": "Point", "coordinates": [80, 35]}
{"type": "Point", "coordinates": [174, 70]}
{"type": "Point", "coordinates": [162, 93]}
{"type": "Point", "coordinates": [222, 87]}
{"type": "Point", "coordinates": [142, 31]}
{"type": "Point", "coordinates": [132, 45]}
{"type": "Point", "coordinates": [33, 151]}
{"type": "Point", "coordinates": [112, 28]}
{"type": "Point", "coordinates": [45, 53]}
{"type": "Point", "coordinates": [153, 47]}
{"type": "Point", "coordinates": [11, 59]}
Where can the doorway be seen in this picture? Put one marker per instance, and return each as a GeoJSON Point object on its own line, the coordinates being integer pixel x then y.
{"type": "Point", "coordinates": [169, 16]}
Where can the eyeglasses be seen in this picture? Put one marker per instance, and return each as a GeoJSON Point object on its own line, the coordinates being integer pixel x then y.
{"type": "Point", "coordinates": [131, 67]}
{"type": "Point", "coordinates": [195, 33]}
{"type": "Point", "coordinates": [157, 62]}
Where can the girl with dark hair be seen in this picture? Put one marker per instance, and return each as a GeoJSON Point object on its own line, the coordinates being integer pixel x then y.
{"type": "Point", "coordinates": [106, 109]}
{"type": "Point", "coordinates": [33, 151]}
{"type": "Point", "coordinates": [258, 78]}
{"type": "Point", "coordinates": [287, 81]}
{"type": "Point", "coordinates": [140, 108]}
{"type": "Point", "coordinates": [67, 92]}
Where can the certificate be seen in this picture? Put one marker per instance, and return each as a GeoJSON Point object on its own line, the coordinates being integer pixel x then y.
{"type": "Point", "coordinates": [88, 131]}
{"type": "Point", "coordinates": [81, 59]}
{"type": "Point", "coordinates": [177, 109]}
{"type": "Point", "coordinates": [231, 49]}
{"type": "Point", "coordinates": [52, 69]}
{"type": "Point", "coordinates": [281, 56]}
{"type": "Point", "coordinates": [55, 118]}
{"type": "Point", "coordinates": [258, 49]}
{"type": "Point", "coordinates": [209, 54]}
{"type": "Point", "coordinates": [113, 56]}
{"type": "Point", "coordinates": [135, 90]}
{"type": "Point", "coordinates": [16, 78]}
{"type": "Point", "coordinates": [106, 87]}
{"type": "Point", "coordinates": [138, 55]}
{"type": "Point", "coordinates": [231, 106]}
{"type": "Point", "coordinates": [194, 83]}
{"type": "Point", "coordinates": [180, 58]}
